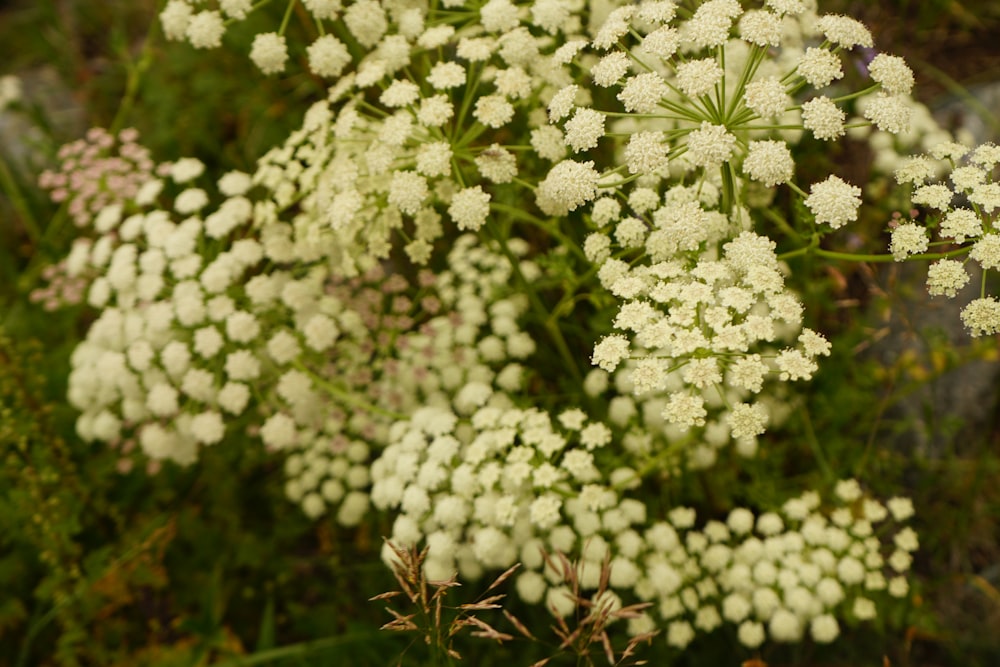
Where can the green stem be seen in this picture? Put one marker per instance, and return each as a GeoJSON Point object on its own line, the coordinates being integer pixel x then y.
{"type": "Point", "coordinates": [852, 257]}
{"type": "Point", "coordinates": [13, 191]}
{"type": "Point", "coordinates": [134, 80]}
{"type": "Point", "coordinates": [287, 16]}
{"type": "Point", "coordinates": [814, 445]}
{"type": "Point", "coordinates": [345, 396]}
{"type": "Point", "coordinates": [855, 95]}
{"type": "Point", "coordinates": [728, 188]}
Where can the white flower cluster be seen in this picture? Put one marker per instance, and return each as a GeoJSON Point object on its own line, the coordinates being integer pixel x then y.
{"type": "Point", "coordinates": [333, 403]}
{"type": "Point", "coordinates": [702, 318]}
{"type": "Point", "coordinates": [703, 87]}
{"type": "Point", "coordinates": [360, 303]}
{"type": "Point", "coordinates": [171, 358]}
{"type": "Point", "coordinates": [485, 490]}
{"type": "Point", "coordinates": [958, 188]}
{"type": "Point", "coordinates": [505, 485]}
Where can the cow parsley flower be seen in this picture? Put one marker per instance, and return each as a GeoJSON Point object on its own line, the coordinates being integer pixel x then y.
{"type": "Point", "coordinates": [824, 118]}
{"type": "Point", "coordinates": [769, 162]}
{"type": "Point", "coordinates": [567, 186]}
{"type": "Point", "coordinates": [205, 30]}
{"type": "Point", "coordinates": [698, 77]}
{"type": "Point", "coordinates": [710, 145]}
{"type": "Point", "coordinates": [328, 56]}
{"type": "Point", "coordinates": [469, 208]}
{"type": "Point", "coordinates": [584, 129]}
{"type": "Point", "coordinates": [834, 202]}
{"type": "Point", "coordinates": [269, 52]}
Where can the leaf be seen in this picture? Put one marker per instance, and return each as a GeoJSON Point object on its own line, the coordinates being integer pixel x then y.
{"type": "Point", "coordinates": [266, 635]}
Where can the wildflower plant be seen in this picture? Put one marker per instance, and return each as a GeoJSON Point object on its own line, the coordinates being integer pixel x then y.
{"type": "Point", "coordinates": [518, 269]}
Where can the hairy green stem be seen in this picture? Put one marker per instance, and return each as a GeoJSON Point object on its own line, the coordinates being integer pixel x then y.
{"type": "Point", "coordinates": [345, 396]}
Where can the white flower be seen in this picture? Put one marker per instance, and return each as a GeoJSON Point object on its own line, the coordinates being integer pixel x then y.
{"type": "Point", "coordinates": [747, 420]}
{"type": "Point", "coordinates": [751, 634]}
{"type": "Point", "coordinates": [819, 67]}
{"type": "Point", "coordinates": [186, 169]}
{"type": "Point", "coordinates": [233, 397]}
{"type": "Point", "coordinates": [610, 351]}
{"type": "Point", "coordinates": [400, 93]}
{"type": "Point", "coordinates": [584, 129]}
{"type": "Point", "coordinates": [793, 365]}
{"type": "Point", "coordinates": [698, 77]}
{"type": "Point", "coordinates": [642, 93]}
{"type": "Point", "coordinates": [366, 21]}
{"type": "Point", "coordinates": [175, 18]}
{"type": "Point", "coordinates": [208, 427]}
{"type": "Point", "coordinates": [889, 113]}
{"type": "Point", "coordinates": [844, 31]}
{"type": "Point", "coordinates": [961, 223]}
{"type": "Point", "coordinates": [497, 164]}
{"type": "Point", "coordinates": [407, 191]}
{"type": "Point", "coordinates": [646, 152]}
{"type": "Point", "coordinates": [936, 196]}
{"type": "Point", "coordinates": [615, 26]}
{"type": "Point", "coordinates": [892, 72]}
{"type": "Point", "coordinates": [269, 52]}
{"type": "Point", "coordinates": [785, 626]}
{"type": "Point", "coordinates": [986, 251]}
{"type": "Point", "coordinates": [766, 97]}
{"type": "Point", "coordinates": [435, 111]}
{"type": "Point", "coordinates": [980, 316]}
{"type": "Point", "coordinates": [493, 110]}
{"type": "Point", "coordinates": [320, 332]}
{"type": "Point", "coordinates": [446, 75]}
{"type": "Point", "coordinates": [278, 432]}
{"type": "Point", "coordinates": [499, 16]}
{"type": "Point", "coordinates": [824, 629]}
{"type": "Point", "coordinates": [328, 56]}
{"type": "Point", "coordinates": [685, 410]}
{"type": "Point", "coordinates": [946, 277]}
{"type": "Point", "coordinates": [469, 208]}
{"type": "Point", "coordinates": [834, 202]}
{"type": "Point", "coordinates": [567, 186]}
{"type": "Point", "coordinates": [823, 118]}
{"type": "Point", "coordinates": [323, 9]}
{"type": "Point", "coordinates": [205, 30]}
{"type": "Point", "coordinates": [864, 609]}
{"type": "Point", "coordinates": [710, 145]}
{"type": "Point", "coordinates": [769, 162]}
{"type": "Point", "coordinates": [662, 42]}
{"type": "Point", "coordinates": [907, 239]}
{"type": "Point", "coordinates": [191, 200]}
{"type": "Point", "coordinates": [161, 400]}
{"type": "Point", "coordinates": [914, 170]}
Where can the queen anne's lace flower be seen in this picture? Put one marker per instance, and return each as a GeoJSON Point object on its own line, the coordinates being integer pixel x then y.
{"type": "Point", "coordinates": [892, 72]}
{"type": "Point", "coordinates": [566, 187]}
{"type": "Point", "coordinates": [769, 162]}
{"type": "Point", "coordinates": [824, 118]}
{"type": "Point", "coordinates": [710, 145]}
{"type": "Point", "coordinates": [269, 52]}
{"type": "Point", "coordinates": [410, 392]}
{"type": "Point", "coordinates": [205, 29]}
{"type": "Point", "coordinates": [834, 202]}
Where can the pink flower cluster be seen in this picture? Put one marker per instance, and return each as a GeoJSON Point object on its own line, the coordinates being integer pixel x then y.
{"type": "Point", "coordinates": [98, 171]}
{"type": "Point", "coordinates": [61, 288]}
